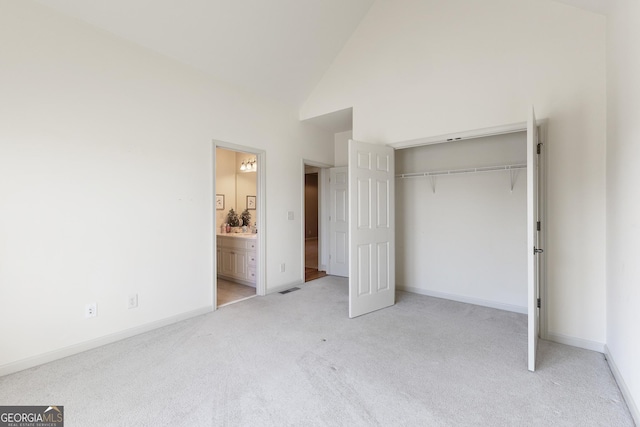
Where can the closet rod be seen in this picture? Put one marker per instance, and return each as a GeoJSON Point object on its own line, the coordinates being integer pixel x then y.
{"type": "Point", "coordinates": [463, 171]}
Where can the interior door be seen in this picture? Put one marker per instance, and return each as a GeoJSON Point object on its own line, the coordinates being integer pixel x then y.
{"type": "Point", "coordinates": [371, 227]}
{"type": "Point", "coordinates": [533, 250]}
{"type": "Point", "coordinates": [338, 222]}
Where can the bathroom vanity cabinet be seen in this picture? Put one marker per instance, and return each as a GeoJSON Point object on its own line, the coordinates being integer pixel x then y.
{"type": "Point", "coordinates": [237, 258]}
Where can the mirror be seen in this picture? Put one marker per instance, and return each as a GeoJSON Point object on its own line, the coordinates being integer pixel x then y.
{"type": "Point", "coordinates": [238, 187]}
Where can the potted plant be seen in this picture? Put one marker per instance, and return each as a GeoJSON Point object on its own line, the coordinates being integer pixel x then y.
{"type": "Point", "coordinates": [232, 218]}
{"type": "Point", "coordinates": [246, 218]}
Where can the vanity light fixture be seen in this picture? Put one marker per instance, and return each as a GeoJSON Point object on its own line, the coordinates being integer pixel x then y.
{"type": "Point", "coordinates": [249, 165]}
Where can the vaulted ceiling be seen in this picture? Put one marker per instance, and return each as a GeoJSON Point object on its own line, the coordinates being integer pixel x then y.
{"type": "Point", "coordinates": [277, 48]}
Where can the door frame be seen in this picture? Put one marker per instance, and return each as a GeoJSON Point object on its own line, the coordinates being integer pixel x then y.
{"type": "Point", "coordinates": [500, 130]}
{"type": "Point", "coordinates": [261, 288]}
{"type": "Point", "coordinates": [323, 206]}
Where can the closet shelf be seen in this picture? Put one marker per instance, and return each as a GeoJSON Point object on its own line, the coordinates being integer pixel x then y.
{"type": "Point", "coordinates": [432, 175]}
{"type": "Point", "coordinates": [462, 171]}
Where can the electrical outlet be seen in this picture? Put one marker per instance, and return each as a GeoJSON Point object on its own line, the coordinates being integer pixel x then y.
{"type": "Point", "coordinates": [132, 301]}
{"type": "Point", "coordinates": [290, 215]}
{"type": "Point", "coordinates": [282, 268]}
{"type": "Point", "coordinates": [91, 310]}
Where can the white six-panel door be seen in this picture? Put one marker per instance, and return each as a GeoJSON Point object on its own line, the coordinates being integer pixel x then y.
{"type": "Point", "coordinates": [533, 249]}
{"type": "Point", "coordinates": [338, 222]}
{"type": "Point", "coordinates": [371, 227]}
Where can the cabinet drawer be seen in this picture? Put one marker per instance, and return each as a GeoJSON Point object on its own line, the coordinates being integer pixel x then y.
{"type": "Point", "coordinates": [251, 259]}
{"type": "Point", "coordinates": [232, 242]}
{"type": "Point", "coordinates": [251, 275]}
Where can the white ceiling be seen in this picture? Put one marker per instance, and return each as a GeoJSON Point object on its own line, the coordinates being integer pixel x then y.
{"type": "Point", "coordinates": [278, 48]}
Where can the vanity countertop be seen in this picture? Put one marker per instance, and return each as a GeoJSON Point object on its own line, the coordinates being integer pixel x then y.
{"type": "Point", "coordinates": [239, 235]}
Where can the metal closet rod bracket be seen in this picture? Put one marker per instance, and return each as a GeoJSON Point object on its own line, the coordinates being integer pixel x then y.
{"type": "Point", "coordinates": [432, 175]}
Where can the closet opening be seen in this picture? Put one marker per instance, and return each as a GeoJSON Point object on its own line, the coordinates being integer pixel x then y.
{"type": "Point", "coordinates": [471, 220]}
{"type": "Point", "coordinates": [441, 213]}
{"type": "Point", "coordinates": [461, 220]}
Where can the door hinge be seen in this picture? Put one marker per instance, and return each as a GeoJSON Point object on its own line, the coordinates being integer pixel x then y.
{"type": "Point", "coordinates": [539, 304]}
{"type": "Point", "coordinates": [538, 226]}
{"type": "Point", "coordinates": [539, 147]}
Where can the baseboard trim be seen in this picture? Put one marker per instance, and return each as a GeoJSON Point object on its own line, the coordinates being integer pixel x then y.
{"type": "Point", "coordinates": [467, 300]}
{"type": "Point", "coordinates": [61, 353]}
{"type": "Point", "coordinates": [626, 393]}
{"type": "Point", "coordinates": [576, 342]}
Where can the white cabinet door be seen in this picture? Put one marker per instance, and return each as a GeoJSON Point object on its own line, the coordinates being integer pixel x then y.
{"type": "Point", "coordinates": [240, 262]}
{"type": "Point", "coordinates": [237, 259]}
{"type": "Point", "coordinates": [371, 227]}
{"type": "Point", "coordinates": [339, 222]}
{"type": "Point", "coordinates": [227, 266]}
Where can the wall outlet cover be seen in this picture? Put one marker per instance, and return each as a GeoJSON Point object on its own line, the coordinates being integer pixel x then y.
{"type": "Point", "coordinates": [132, 301]}
{"type": "Point", "coordinates": [91, 310]}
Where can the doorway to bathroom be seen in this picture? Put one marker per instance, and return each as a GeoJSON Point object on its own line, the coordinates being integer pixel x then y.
{"type": "Point", "coordinates": [238, 213]}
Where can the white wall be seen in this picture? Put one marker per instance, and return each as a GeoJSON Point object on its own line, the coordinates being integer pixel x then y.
{"type": "Point", "coordinates": [468, 240]}
{"type": "Point", "coordinates": [623, 202]}
{"type": "Point", "coordinates": [341, 148]}
{"type": "Point", "coordinates": [419, 68]}
{"type": "Point", "coordinates": [106, 183]}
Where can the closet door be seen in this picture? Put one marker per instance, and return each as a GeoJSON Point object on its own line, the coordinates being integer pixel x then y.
{"type": "Point", "coordinates": [371, 228]}
{"type": "Point", "coordinates": [533, 249]}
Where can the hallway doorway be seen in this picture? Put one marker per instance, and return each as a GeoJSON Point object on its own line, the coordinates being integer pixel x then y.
{"type": "Point", "coordinates": [312, 268]}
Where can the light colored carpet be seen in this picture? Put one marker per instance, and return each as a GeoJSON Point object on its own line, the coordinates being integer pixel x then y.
{"type": "Point", "coordinates": [297, 360]}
